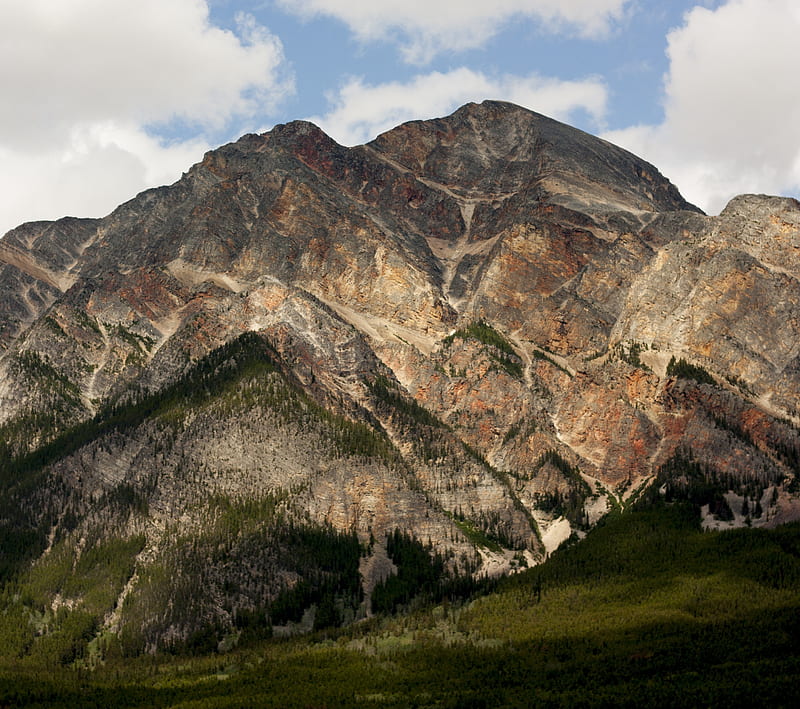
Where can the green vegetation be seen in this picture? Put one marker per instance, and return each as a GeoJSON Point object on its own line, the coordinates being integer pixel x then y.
{"type": "Point", "coordinates": [420, 572]}
{"type": "Point", "coordinates": [631, 352]}
{"type": "Point", "coordinates": [237, 556]}
{"type": "Point", "coordinates": [525, 428]}
{"type": "Point", "coordinates": [595, 355]}
{"type": "Point", "coordinates": [388, 393]}
{"type": "Point", "coordinates": [428, 435]}
{"type": "Point", "coordinates": [175, 606]}
{"type": "Point", "coordinates": [57, 403]}
{"type": "Point", "coordinates": [476, 535]}
{"type": "Point", "coordinates": [740, 384]}
{"type": "Point", "coordinates": [538, 354]}
{"type": "Point", "coordinates": [52, 324]}
{"type": "Point", "coordinates": [86, 321]}
{"type": "Point", "coordinates": [500, 349]}
{"type": "Point", "coordinates": [485, 333]}
{"type": "Point", "coordinates": [514, 430]}
{"type": "Point", "coordinates": [685, 370]}
{"type": "Point", "coordinates": [37, 367]}
{"type": "Point", "coordinates": [487, 530]}
{"type": "Point", "coordinates": [569, 504]}
{"type": "Point", "coordinates": [139, 342]}
{"type": "Point", "coordinates": [215, 376]}
{"type": "Point", "coordinates": [87, 582]}
{"type": "Point", "coordinates": [242, 375]}
{"type": "Point", "coordinates": [733, 428]}
{"type": "Point", "coordinates": [647, 610]}
{"type": "Point", "coordinates": [683, 478]}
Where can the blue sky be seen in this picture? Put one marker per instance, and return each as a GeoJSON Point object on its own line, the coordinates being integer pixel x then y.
{"type": "Point", "coordinates": [104, 98]}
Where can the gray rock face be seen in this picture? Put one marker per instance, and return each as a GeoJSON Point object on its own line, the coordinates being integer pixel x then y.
{"type": "Point", "coordinates": [37, 262]}
{"type": "Point", "coordinates": [471, 324]}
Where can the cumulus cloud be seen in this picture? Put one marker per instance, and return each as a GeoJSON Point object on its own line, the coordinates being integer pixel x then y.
{"type": "Point", "coordinates": [96, 168]}
{"type": "Point", "coordinates": [86, 84]}
{"type": "Point", "coordinates": [425, 28]}
{"type": "Point", "coordinates": [732, 108]}
{"type": "Point", "coordinates": [359, 112]}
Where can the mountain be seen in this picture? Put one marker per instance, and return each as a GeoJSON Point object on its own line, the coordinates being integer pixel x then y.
{"type": "Point", "coordinates": [254, 392]}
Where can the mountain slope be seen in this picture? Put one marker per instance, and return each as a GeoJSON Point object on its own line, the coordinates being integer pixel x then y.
{"type": "Point", "coordinates": [648, 606]}
{"type": "Point", "coordinates": [487, 330]}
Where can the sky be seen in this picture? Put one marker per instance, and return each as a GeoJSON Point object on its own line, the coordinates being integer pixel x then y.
{"type": "Point", "coordinates": [101, 99]}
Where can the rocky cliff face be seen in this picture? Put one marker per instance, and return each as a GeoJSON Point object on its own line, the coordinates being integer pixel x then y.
{"type": "Point", "coordinates": [486, 330]}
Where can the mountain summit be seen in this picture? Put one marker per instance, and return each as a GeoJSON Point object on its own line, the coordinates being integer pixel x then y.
{"type": "Point", "coordinates": [479, 334]}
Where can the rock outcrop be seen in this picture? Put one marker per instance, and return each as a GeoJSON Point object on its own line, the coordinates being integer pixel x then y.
{"type": "Point", "coordinates": [481, 329]}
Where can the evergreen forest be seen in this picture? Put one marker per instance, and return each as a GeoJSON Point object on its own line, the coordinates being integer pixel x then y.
{"type": "Point", "coordinates": [648, 610]}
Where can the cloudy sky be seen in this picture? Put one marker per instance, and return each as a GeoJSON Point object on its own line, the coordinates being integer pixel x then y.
{"type": "Point", "coordinates": [104, 98]}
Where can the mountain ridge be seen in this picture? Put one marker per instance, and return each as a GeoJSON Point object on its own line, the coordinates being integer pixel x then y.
{"type": "Point", "coordinates": [489, 330]}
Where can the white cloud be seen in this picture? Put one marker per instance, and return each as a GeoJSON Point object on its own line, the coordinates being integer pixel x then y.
{"type": "Point", "coordinates": [85, 82]}
{"type": "Point", "coordinates": [426, 28]}
{"type": "Point", "coordinates": [732, 108]}
{"type": "Point", "coordinates": [100, 166]}
{"type": "Point", "coordinates": [360, 112]}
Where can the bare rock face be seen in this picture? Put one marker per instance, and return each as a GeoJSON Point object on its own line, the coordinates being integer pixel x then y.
{"type": "Point", "coordinates": [484, 330]}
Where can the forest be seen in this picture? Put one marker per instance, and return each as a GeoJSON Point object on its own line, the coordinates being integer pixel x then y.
{"type": "Point", "coordinates": [263, 607]}
{"type": "Point", "coordinates": [648, 610]}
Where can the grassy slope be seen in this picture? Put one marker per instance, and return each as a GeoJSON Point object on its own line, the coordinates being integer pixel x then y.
{"type": "Point", "coordinates": [647, 611]}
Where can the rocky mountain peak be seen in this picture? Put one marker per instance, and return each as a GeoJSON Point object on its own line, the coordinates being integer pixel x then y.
{"type": "Point", "coordinates": [499, 148]}
{"type": "Point", "coordinates": [486, 330]}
